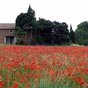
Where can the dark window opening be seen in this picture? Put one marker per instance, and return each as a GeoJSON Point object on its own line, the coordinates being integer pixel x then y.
{"type": "Point", "coordinates": [9, 40]}
{"type": "Point", "coordinates": [10, 31]}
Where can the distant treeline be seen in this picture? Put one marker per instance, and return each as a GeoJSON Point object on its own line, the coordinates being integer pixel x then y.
{"type": "Point", "coordinates": [44, 31]}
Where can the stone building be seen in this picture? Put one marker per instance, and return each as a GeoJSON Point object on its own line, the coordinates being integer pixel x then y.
{"type": "Point", "coordinates": [7, 33]}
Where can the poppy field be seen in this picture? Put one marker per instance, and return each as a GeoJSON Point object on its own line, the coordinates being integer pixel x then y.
{"type": "Point", "coordinates": [43, 66]}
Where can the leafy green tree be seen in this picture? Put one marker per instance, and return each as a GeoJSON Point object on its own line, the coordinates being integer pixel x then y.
{"type": "Point", "coordinates": [61, 32]}
{"type": "Point", "coordinates": [54, 32]}
{"type": "Point", "coordinates": [41, 31]}
{"type": "Point", "coordinates": [81, 33]}
{"type": "Point", "coordinates": [27, 23]}
{"type": "Point", "coordinates": [45, 30]}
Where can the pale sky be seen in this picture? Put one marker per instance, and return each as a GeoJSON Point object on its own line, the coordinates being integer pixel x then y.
{"type": "Point", "coordinates": [69, 11]}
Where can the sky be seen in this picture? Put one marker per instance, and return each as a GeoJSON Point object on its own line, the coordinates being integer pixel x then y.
{"type": "Point", "coordinates": [70, 11]}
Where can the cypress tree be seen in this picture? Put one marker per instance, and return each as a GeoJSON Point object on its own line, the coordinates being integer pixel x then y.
{"type": "Point", "coordinates": [72, 36]}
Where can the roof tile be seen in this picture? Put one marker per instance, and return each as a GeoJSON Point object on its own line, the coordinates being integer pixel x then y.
{"type": "Point", "coordinates": [7, 25]}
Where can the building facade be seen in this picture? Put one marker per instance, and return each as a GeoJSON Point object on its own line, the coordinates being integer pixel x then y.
{"type": "Point", "coordinates": [7, 33]}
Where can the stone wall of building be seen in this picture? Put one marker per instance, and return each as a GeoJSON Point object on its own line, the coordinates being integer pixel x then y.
{"type": "Point", "coordinates": [4, 33]}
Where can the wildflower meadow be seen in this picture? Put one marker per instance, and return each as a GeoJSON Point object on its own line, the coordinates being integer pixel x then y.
{"type": "Point", "coordinates": [43, 66]}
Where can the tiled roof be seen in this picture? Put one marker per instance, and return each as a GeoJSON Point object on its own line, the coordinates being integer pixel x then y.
{"type": "Point", "coordinates": [7, 25]}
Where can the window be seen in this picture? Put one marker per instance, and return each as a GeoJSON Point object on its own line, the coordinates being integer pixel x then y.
{"type": "Point", "coordinates": [9, 40]}
{"type": "Point", "coordinates": [10, 31]}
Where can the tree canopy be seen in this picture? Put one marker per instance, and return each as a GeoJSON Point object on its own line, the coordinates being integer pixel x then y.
{"type": "Point", "coordinates": [81, 33]}
{"type": "Point", "coordinates": [46, 31]}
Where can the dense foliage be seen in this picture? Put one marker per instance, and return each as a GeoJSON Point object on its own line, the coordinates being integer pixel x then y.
{"type": "Point", "coordinates": [27, 23]}
{"type": "Point", "coordinates": [42, 31]}
{"type": "Point", "coordinates": [72, 34]}
{"type": "Point", "coordinates": [81, 33]}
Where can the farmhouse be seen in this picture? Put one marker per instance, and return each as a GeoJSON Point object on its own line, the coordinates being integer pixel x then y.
{"type": "Point", "coordinates": [7, 33]}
